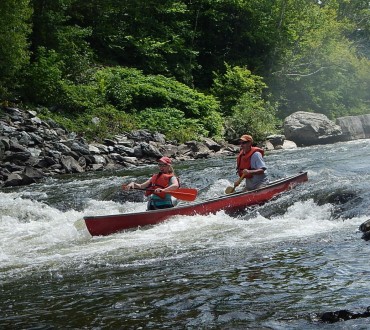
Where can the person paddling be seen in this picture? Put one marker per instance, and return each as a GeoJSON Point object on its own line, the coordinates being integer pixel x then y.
{"type": "Point", "coordinates": [251, 165]}
{"type": "Point", "coordinates": [159, 183]}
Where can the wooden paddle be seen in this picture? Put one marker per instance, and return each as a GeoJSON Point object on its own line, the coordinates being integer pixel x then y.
{"type": "Point", "coordinates": [230, 190]}
{"type": "Point", "coordinates": [185, 194]}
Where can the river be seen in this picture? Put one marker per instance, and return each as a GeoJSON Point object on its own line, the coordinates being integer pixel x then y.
{"type": "Point", "coordinates": [276, 266]}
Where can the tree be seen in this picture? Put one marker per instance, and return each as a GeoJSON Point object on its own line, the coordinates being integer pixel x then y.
{"type": "Point", "coordinates": [317, 68]}
{"type": "Point", "coordinates": [14, 55]}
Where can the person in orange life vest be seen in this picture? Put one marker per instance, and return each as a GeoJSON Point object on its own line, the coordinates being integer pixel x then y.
{"type": "Point", "coordinates": [163, 181]}
{"type": "Point", "coordinates": [250, 163]}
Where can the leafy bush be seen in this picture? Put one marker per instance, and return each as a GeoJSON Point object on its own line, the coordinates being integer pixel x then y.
{"type": "Point", "coordinates": [131, 91]}
{"type": "Point", "coordinates": [251, 116]}
{"type": "Point", "coordinates": [172, 123]}
{"type": "Point", "coordinates": [95, 124]}
{"type": "Point", "coordinates": [43, 85]}
{"type": "Point", "coordinates": [235, 82]}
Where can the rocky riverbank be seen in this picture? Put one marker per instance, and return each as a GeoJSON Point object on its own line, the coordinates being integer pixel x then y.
{"type": "Point", "coordinates": [32, 149]}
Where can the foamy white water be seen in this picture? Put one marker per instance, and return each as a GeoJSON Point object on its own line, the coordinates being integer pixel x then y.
{"type": "Point", "coordinates": [33, 234]}
{"type": "Point", "coordinates": [275, 266]}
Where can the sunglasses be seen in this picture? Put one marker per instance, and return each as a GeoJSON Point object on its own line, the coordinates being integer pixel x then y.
{"type": "Point", "coordinates": [162, 165]}
{"type": "Point", "coordinates": [245, 142]}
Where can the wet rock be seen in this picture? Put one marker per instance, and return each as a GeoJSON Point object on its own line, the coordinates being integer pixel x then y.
{"type": "Point", "coordinates": [365, 228]}
{"type": "Point", "coordinates": [342, 315]}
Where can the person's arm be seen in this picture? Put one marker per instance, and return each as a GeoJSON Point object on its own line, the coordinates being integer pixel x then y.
{"type": "Point", "coordinates": [174, 184]}
{"type": "Point", "coordinates": [257, 163]}
{"type": "Point", "coordinates": [135, 185]}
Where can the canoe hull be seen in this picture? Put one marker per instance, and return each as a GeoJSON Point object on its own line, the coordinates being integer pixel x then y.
{"type": "Point", "coordinates": [109, 224]}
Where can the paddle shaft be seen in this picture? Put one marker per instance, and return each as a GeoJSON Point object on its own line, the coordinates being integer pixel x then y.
{"type": "Point", "coordinates": [186, 194]}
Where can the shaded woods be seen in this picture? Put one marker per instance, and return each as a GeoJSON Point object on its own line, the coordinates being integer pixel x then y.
{"type": "Point", "coordinates": [184, 68]}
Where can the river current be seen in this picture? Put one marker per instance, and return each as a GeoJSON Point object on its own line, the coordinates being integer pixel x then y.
{"type": "Point", "coordinates": [276, 266]}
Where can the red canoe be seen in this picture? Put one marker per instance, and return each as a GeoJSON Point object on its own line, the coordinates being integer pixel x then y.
{"type": "Point", "coordinates": [109, 224]}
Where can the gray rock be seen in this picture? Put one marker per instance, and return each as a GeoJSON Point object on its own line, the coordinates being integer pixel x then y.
{"type": "Point", "coordinates": [31, 175]}
{"type": "Point", "coordinates": [15, 146]}
{"type": "Point", "coordinates": [289, 145]}
{"type": "Point", "coordinates": [150, 150]}
{"type": "Point", "coordinates": [98, 159]}
{"type": "Point", "coordinates": [355, 127]}
{"type": "Point", "coordinates": [306, 128]}
{"type": "Point", "coordinates": [80, 148]}
{"type": "Point", "coordinates": [211, 145]}
{"type": "Point", "coordinates": [141, 135]}
{"type": "Point", "coordinates": [14, 179]}
{"type": "Point", "coordinates": [16, 157]}
{"type": "Point", "coordinates": [126, 151]}
{"type": "Point", "coordinates": [70, 164]}
{"type": "Point", "coordinates": [276, 140]}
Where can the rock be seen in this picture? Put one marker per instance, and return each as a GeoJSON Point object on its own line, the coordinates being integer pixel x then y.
{"type": "Point", "coordinates": [306, 128]}
{"type": "Point", "coordinates": [14, 179]}
{"type": "Point", "coordinates": [365, 226]}
{"type": "Point", "coordinates": [149, 150]}
{"type": "Point", "coordinates": [355, 127]}
{"type": "Point", "coordinates": [141, 135]}
{"type": "Point", "coordinates": [289, 145]}
{"type": "Point", "coordinates": [212, 145]}
{"type": "Point", "coordinates": [342, 315]}
{"type": "Point", "coordinates": [15, 146]}
{"type": "Point", "coordinates": [267, 145]}
{"type": "Point", "coordinates": [276, 140]}
{"type": "Point", "coordinates": [31, 175]}
{"type": "Point", "coordinates": [80, 148]}
{"type": "Point", "coordinates": [70, 164]}
{"type": "Point", "coordinates": [16, 157]}
{"type": "Point", "coordinates": [126, 151]}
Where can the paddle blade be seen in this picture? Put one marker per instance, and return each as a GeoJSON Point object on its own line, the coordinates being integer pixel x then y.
{"type": "Point", "coordinates": [229, 190]}
{"type": "Point", "coordinates": [185, 194]}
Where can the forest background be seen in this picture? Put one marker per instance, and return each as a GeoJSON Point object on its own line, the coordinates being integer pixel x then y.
{"type": "Point", "coordinates": [185, 68]}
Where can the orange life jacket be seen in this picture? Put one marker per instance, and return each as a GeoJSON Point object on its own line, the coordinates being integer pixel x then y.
{"type": "Point", "coordinates": [244, 161]}
{"type": "Point", "coordinates": [159, 180]}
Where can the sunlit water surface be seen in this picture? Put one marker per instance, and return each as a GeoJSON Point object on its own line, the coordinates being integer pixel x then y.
{"type": "Point", "coordinates": [277, 266]}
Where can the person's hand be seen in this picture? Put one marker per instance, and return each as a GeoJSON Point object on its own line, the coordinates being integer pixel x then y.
{"type": "Point", "coordinates": [128, 186]}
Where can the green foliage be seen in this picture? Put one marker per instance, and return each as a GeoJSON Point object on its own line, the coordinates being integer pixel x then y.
{"type": "Point", "coordinates": [80, 97]}
{"type": "Point", "coordinates": [14, 53]}
{"type": "Point", "coordinates": [317, 69]}
{"type": "Point", "coordinates": [172, 123]}
{"type": "Point", "coordinates": [251, 116]}
{"type": "Point", "coordinates": [56, 28]}
{"type": "Point", "coordinates": [313, 56]}
{"type": "Point", "coordinates": [95, 124]}
{"type": "Point", "coordinates": [131, 91]}
{"type": "Point", "coordinates": [235, 82]}
{"type": "Point", "coordinates": [44, 78]}
{"type": "Point", "coordinates": [153, 36]}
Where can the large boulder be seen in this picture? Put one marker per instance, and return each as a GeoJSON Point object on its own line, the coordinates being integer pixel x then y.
{"type": "Point", "coordinates": [307, 128]}
{"type": "Point", "coordinates": [355, 127]}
